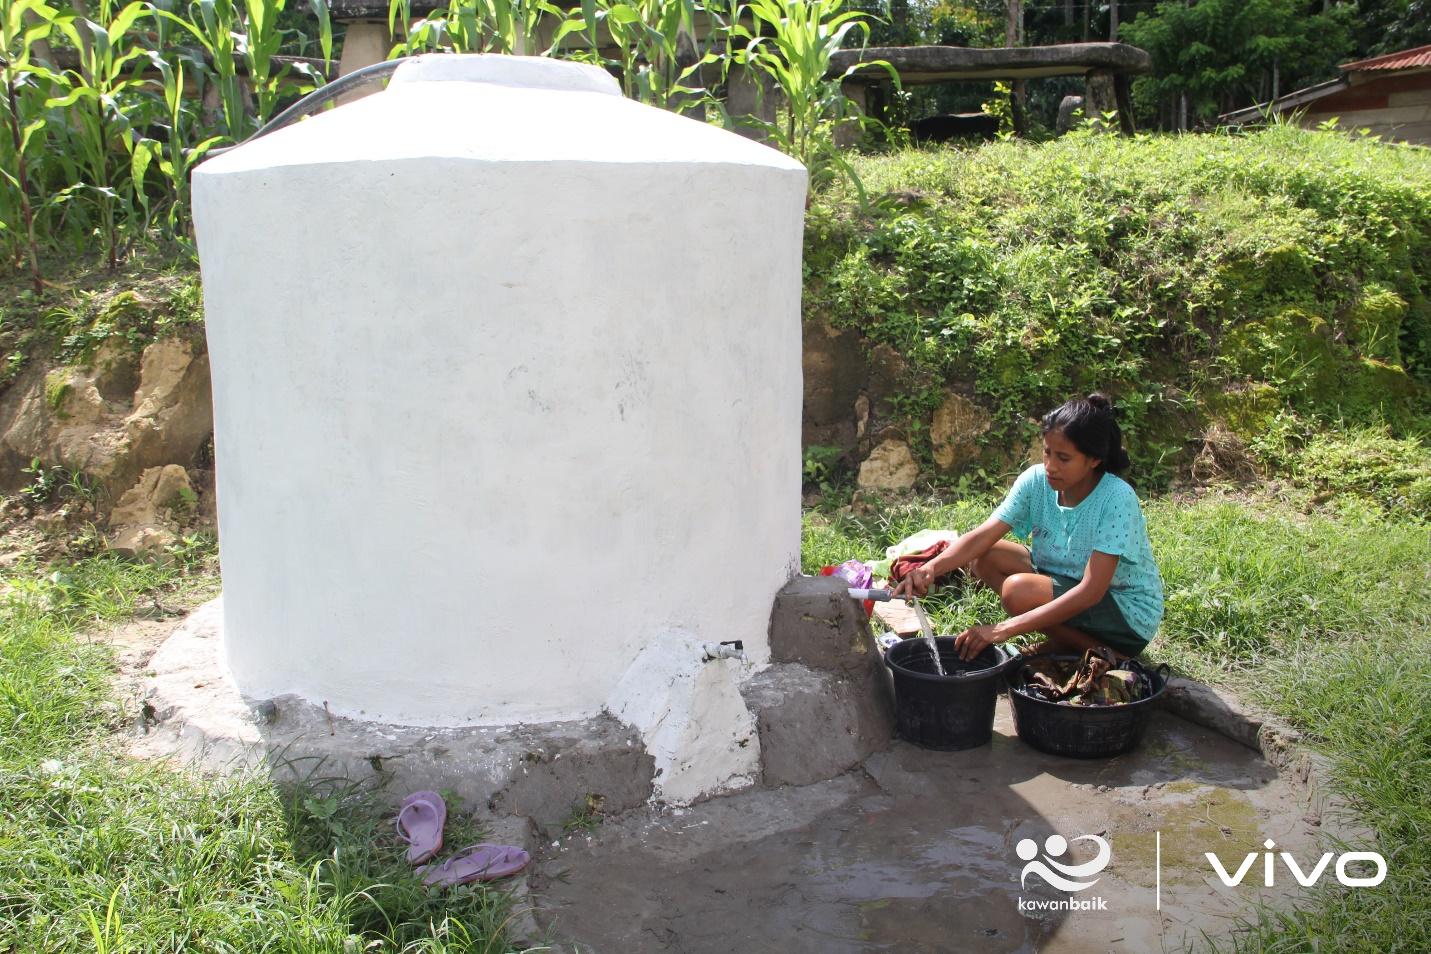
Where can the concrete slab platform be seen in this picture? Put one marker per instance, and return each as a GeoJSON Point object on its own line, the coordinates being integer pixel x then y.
{"type": "Point", "coordinates": [911, 850]}
{"type": "Point", "coordinates": [918, 852]}
{"type": "Point", "coordinates": [195, 713]}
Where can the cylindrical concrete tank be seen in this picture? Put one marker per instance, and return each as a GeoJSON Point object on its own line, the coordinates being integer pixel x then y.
{"type": "Point", "coordinates": [506, 383]}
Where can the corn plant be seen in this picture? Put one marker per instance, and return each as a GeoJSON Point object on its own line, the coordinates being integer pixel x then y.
{"type": "Point", "coordinates": [24, 25]}
{"type": "Point", "coordinates": [792, 42]}
{"type": "Point", "coordinates": [247, 31]}
{"type": "Point", "coordinates": [325, 30]}
{"type": "Point", "coordinates": [217, 27]}
{"type": "Point", "coordinates": [470, 26]}
{"type": "Point", "coordinates": [175, 155]}
{"type": "Point", "coordinates": [98, 102]}
{"type": "Point", "coordinates": [654, 40]}
{"type": "Point", "coordinates": [259, 44]}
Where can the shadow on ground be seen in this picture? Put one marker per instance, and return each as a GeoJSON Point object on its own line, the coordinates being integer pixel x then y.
{"type": "Point", "coordinates": [915, 852]}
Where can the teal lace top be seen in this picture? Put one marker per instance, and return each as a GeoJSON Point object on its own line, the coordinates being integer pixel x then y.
{"type": "Point", "coordinates": [1109, 520]}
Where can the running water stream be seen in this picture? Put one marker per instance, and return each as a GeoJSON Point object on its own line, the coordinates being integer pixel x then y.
{"type": "Point", "coordinates": [928, 636]}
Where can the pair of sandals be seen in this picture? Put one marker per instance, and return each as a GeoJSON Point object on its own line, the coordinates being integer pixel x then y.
{"type": "Point", "coordinates": [420, 822]}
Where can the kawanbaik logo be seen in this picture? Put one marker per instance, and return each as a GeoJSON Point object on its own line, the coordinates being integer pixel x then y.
{"type": "Point", "coordinates": [1064, 877]}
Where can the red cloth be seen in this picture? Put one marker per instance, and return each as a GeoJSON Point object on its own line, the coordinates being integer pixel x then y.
{"type": "Point", "coordinates": [902, 567]}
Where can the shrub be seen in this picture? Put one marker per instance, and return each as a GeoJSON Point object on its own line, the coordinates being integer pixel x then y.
{"type": "Point", "coordinates": [1169, 270]}
{"type": "Point", "coordinates": [1370, 463]}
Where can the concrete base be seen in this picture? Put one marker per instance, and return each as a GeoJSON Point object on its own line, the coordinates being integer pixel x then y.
{"type": "Point", "coordinates": [822, 709]}
{"type": "Point", "coordinates": [691, 718]}
{"type": "Point", "coordinates": [813, 725]}
{"type": "Point", "coordinates": [906, 844]}
{"type": "Point", "coordinates": [917, 851]}
{"type": "Point", "coordinates": [827, 703]}
{"type": "Point", "coordinates": [542, 772]}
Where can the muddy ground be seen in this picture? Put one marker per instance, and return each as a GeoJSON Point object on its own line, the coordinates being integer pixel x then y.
{"type": "Point", "coordinates": [917, 852]}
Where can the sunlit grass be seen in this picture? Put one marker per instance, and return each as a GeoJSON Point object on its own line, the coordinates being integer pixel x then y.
{"type": "Point", "coordinates": [99, 852]}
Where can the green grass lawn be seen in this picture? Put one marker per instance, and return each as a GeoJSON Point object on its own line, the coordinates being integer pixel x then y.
{"type": "Point", "coordinates": [101, 852]}
{"type": "Point", "coordinates": [1322, 618]}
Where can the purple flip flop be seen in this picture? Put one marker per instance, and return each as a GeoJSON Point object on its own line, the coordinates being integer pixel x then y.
{"type": "Point", "coordinates": [477, 863]}
{"type": "Point", "coordinates": [419, 823]}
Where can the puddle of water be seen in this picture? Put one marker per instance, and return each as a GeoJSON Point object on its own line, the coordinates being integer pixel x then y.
{"type": "Point", "coordinates": [927, 862]}
{"type": "Point", "coordinates": [1193, 819]}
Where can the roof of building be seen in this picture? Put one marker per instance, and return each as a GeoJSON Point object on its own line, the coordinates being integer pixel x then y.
{"type": "Point", "coordinates": [1291, 101]}
{"type": "Point", "coordinates": [1415, 58]}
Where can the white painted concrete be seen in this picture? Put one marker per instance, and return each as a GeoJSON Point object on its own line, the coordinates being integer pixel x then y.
{"type": "Point", "coordinates": [506, 384]}
{"type": "Point", "coordinates": [692, 719]}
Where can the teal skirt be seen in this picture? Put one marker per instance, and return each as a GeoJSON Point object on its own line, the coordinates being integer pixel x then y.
{"type": "Point", "coordinates": [1103, 621]}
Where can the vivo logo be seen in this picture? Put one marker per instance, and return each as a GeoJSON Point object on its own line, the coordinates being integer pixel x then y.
{"type": "Point", "coordinates": [1305, 879]}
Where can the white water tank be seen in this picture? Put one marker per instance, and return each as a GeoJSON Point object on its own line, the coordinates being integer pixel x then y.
{"type": "Point", "coordinates": [507, 384]}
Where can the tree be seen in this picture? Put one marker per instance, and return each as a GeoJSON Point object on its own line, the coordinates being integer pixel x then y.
{"type": "Point", "coordinates": [1385, 26]}
{"type": "Point", "coordinates": [1214, 56]}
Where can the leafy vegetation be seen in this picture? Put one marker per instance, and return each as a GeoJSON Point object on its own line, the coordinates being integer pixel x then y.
{"type": "Point", "coordinates": [101, 133]}
{"type": "Point", "coordinates": [103, 114]}
{"type": "Point", "coordinates": [791, 42]}
{"type": "Point", "coordinates": [470, 26]}
{"type": "Point", "coordinates": [1369, 464]}
{"type": "Point", "coordinates": [1271, 285]}
{"type": "Point", "coordinates": [149, 297]}
{"type": "Point", "coordinates": [100, 852]}
{"type": "Point", "coordinates": [1223, 54]}
{"type": "Point", "coordinates": [654, 42]}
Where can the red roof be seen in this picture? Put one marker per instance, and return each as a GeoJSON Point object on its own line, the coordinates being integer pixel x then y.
{"type": "Point", "coordinates": [1415, 58]}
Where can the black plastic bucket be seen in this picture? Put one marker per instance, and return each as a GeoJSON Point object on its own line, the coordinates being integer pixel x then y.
{"type": "Point", "coordinates": [953, 711]}
{"type": "Point", "coordinates": [1082, 732]}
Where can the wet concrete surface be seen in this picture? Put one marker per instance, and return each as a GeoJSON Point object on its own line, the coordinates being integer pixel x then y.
{"type": "Point", "coordinates": [918, 852]}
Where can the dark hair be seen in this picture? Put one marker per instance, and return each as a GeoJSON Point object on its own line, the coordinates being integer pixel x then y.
{"type": "Point", "coordinates": [1089, 424]}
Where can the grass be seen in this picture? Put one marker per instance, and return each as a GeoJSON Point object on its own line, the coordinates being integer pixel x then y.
{"type": "Point", "coordinates": [100, 852]}
{"type": "Point", "coordinates": [1321, 617]}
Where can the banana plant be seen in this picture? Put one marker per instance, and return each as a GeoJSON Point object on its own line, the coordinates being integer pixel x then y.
{"type": "Point", "coordinates": [24, 26]}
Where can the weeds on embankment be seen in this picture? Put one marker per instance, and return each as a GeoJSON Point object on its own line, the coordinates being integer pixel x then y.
{"type": "Point", "coordinates": [1245, 292]}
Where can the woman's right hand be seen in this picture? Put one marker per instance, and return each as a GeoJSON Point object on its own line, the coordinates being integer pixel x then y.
{"type": "Point", "coordinates": [916, 583]}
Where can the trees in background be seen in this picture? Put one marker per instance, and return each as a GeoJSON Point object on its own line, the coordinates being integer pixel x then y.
{"type": "Point", "coordinates": [1385, 26]}
{"type": "Point", "coordinates": [1214, 56]}
{"type": "Point", "coordinates": [1210, 56]}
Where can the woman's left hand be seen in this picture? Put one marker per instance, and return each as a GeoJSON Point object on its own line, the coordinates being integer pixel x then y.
{"type": "Point", "coordinates": [975, 640]}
